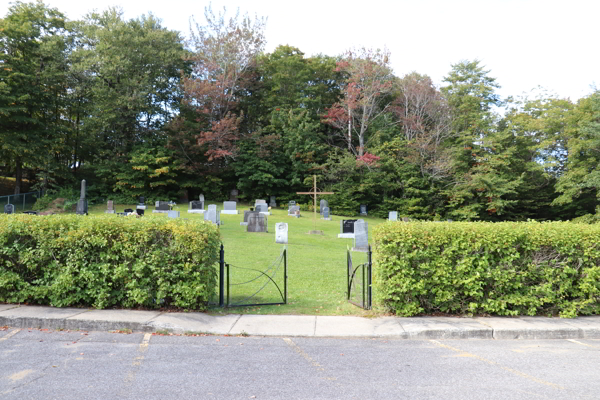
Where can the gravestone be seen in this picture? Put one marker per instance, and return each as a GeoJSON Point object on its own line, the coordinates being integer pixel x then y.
{"type": "Point", "coordinates": [173, 214]}
{"type": "Point", "coordinates": [82, 206]}
{"type": "Point", "coordinates": [9, 209]}
{"type": "Point", "coordinates": [128, 210]}
{"type": "Point", "coordinates": [292, 210]}
{"type": "Point", "coordinates": [201, 198]}
{"type": "Point", "coordinates": [211, 214]}
{"type": "Point", "coordinates": [233, 195]}
{"type": "Point", "coordinates": [229, 207]}
{"type": "Point", "coordinates": [405, 219]}
{"type": "Point", "coordinates": [257, 222]}
{"type": "Point", "coordinates": [347, 228]}
{"type": "Point", "coordinates": [393, 216]}
{"type": "Point", "coordinates": [140, 211]}
{"type": "Point", "coordinates": [363, 209]}
{"type": "Point", "coordinates": [326, 216]}
{"type": "Point", "coordinates": [291, 203]}
{"type": "Point", "coordinates": [161, 207]}
{"type": "Point", "coordinates": [281, 233]}
{"type": "Point", "coordinates": [262, 208]}
{"type": "Point", "coordinates": [110, 209]}
{"type": "Point", "coordinates": [361, 236]}
{"type": "Point", "coordinates": [141, 203]}
{"type": "Point", "coordinates": [272, 202]}
{"type": "Point", "coordinates": [247, 215]}
{"type": "Point", "coordinates": [196, 207]}
{"type": "Point", "coordinates": [322, 205]}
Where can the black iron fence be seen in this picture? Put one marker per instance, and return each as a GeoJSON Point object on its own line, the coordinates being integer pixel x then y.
{"type": "Point", "coordinates": [359, 281]}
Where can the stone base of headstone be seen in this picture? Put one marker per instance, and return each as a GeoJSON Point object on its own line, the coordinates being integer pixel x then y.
{"type": "Point", "coordinates": [160, 211]}
{"type": "Point", "coordinates": [230, 212]}
{"type": "Point", "coordinates": [196, 211]}
{"type": "Point", "coordinates": [109, 211]}
{"type": "Point", "coordinates": [345, 235]}
{"type": "Point", "coordinates": [141, 207]}
{"type": "Point", "coordinates": [315, 232]}
{"type": "Point", "coordinates": [244, 223]}
{"type": "Point", "coordinates": [362, 249]}
{"type": "Point", "coordinates": [265, 212]}
{"type": "Point", "coordinates": [326, 219]}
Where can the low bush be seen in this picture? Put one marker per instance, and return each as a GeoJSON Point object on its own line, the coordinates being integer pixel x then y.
{"type": "Point", "coordinates": [488, 268]}
{"type": "Point", "coordinates": [107, 261]}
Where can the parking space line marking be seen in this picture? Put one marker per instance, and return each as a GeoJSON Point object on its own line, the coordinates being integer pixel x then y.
{"type": "Point", "coordinates": [490, 362]}
{"type": "Point", "coordinates": [583, 344]}
{"type": "Point", "coordinates": [308, 358]}
{"type": "Point", "coordinates": [9, 335]}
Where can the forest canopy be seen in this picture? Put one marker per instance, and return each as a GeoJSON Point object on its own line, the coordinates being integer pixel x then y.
{"type": "Point", "coordinates": [138, 109]}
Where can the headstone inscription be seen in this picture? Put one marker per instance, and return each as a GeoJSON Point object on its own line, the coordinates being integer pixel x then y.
{"type": "Point", "coordinates": [363, 209]}
{"type": "Point", "coordinates": [281, 233]}
{"type": "Point", "coordinates": [257, 222]}
{"type": "Point", "coordinates": [272, 202]}
{"type": "Point", "coordinates": [326, 216]}
{"type": "Point", "coordinates": [9, 208]}
{"type": "Point", "coordinates": [393, 216]}
{"type": "Point", "coordinates": [347, 228]}
{"type": "Point", "coordinates": [161, 207]}
{"type": "Point", "coordinates": [196, 207]}
{"type": "Point", "coordinates": [110, 208]}
{"type": "Point", "coordinates": [361, 236]}
{"type": "Point", "coordinates": [260, 201]}
{"type": "Point", "coordinates": [82, 206]}
{"type": "Point", "coordinates": [229, 207]}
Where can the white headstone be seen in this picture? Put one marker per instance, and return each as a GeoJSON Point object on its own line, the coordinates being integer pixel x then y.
{"type": "Point", "coordinates": [281, 233]}
{"type": "Point", "coordinates": [361, 236]}
{"type": "Point", "coordinates": [393, 216]}
{"type": "Point", "coordinates": [173, 214]}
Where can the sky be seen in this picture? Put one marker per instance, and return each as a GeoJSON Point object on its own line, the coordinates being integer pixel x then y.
{"type": "Point", "coordinates": [525, 44]}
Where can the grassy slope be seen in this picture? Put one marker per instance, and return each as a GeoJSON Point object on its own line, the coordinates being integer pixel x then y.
{"type": "Point", "coordinates": [316, 263]}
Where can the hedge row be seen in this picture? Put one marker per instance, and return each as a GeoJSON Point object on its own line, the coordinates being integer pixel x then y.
{"type": "Point", "coordinates": [488, 268]}
{"type": "Point", "coordinates": [107, 261]}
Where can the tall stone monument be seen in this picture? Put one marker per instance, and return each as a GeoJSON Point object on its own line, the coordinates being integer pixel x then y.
{"type": "Point", "coordinates": [82, 205]}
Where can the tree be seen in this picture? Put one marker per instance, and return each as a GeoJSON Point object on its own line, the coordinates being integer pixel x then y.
{"type": "Point", "coordinates": [364, 94]}
{"type": "Point", "coordinates": [32, 82]}
{"type": "Point", "coordinates": [223, 60]}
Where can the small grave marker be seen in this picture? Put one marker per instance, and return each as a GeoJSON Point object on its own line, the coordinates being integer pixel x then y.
{"type": "Point", "coordinates": [257, 222]}
{"type": "Point", "coordinates": [347, 228]}
{"type": "Point", "coordinates": [363, 209]}
{"type": "Point", "coordinates": [196, 207]}
{"type": "Point", "coordinates": [326, 216]}
{"type": "Point", "coordinates": [110, 208]}
{"type": "Point", "coordinates": [393, 216]}
{"type": "Point", "coordinates": [229, 207]}
{"type": "Point", "coordinates": [9, 208]}
{"type": "Point", "coordinates": [281, 233]}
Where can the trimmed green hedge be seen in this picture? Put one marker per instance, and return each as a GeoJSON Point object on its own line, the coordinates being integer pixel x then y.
{"type": "Point", "coordinates": [107, 261]}
{"type": "Point", "coordinates": [488, 268]}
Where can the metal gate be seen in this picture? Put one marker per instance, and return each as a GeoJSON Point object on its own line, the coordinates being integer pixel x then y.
{"type": "Point", "coordinates": [246, 287]}
{"type": "Point", "coordinates": [359, 281]}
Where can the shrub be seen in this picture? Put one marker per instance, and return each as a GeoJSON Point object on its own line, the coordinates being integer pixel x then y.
{"type": "Point", "coordinates": [495, 268]}
{"type": "Point", "coordinates": [107, 261]}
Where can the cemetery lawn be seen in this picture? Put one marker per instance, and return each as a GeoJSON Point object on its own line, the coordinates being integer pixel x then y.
{"type": "Point", "coordinates": [316, 264]}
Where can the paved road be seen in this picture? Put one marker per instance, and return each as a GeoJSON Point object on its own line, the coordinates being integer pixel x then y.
{"type": "Point", "coordinates": [42, 364]}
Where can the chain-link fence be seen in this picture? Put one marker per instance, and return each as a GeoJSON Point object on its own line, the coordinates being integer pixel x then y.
{"type": "Point", "coordinates": [21, 201]}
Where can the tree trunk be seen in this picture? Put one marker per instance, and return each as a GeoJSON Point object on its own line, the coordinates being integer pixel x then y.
{"type": "Point", "coordinates": [18, 175]}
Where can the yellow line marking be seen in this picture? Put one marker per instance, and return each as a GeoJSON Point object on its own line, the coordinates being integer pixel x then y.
{"type": "Point", "coordinates": [583, 344]}
{"type": "Point", "coordinates": [9, 335]}
{"type": "Point", "coordinates": [305, 355]}
{"type": "Point", "coordinates": [20, 375]}
{"type": "Point", "coordinates": [137, 361]}
{"type": "Point", "coordinates": [513, 371]}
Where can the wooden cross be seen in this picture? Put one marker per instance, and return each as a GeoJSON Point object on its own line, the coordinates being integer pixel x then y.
{"type": "Point", "coordinates": [314, 193]}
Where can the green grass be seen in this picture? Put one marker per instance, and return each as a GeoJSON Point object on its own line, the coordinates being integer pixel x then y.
{"type": "Point", "coordinates": [316, 264]}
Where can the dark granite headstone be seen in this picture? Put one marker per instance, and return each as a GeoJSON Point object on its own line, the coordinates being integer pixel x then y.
{"type": "Point", "coordinates": [162, 206]}
{"type": "Point", "coordinates": [326, 213]}
{"type": "Point", "coordinates": [363, 209]}
{"type": "Point", "coordinates": [196, 205]}
{"type": "Point", "coordinates": [9, 209]}
{"type": "Point", "coordinates": [233, 195]}
{"type": "Point", "coordinates": [261, 207]}
{"type": "Point", "coordinates": [142, 200]}
{"type": "Point", "coordinates": [348, 225]}
{"type": "Point", "coordinates": [272, 202]}
{"type": "Point", "coordinates": [140, 211]}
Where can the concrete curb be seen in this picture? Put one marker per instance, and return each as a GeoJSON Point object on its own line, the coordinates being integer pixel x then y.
{"type": "Point", "coordinates": [500, 328]}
